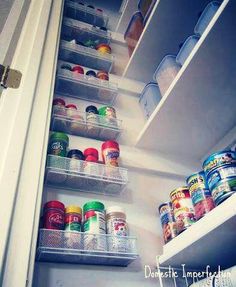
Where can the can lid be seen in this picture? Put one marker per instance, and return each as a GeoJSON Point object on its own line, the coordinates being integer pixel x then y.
{"type": "Point", "coordinates": [73, 208]}
{"type": "Point", "coordinates": [112, 209]}
{"type": "Point", "coordinates": [209, 158]}
{"type": "Point", "coordinates": [71, 106]}
{"type": "Point", "coordinates": [59, 136]}
{"type": "Point", "coordinates": [95, 205]}
{"type": "Point", "coordinates": [91, 151]}
{"type": "Point", "coordinates": [55, 204]}
{"type": "Point", "coordinates": [59, 101]}
{"type": "Point", "coordinates": [110, 144]}
{"type": "Point", "coordinates": [91, 109]}
{"type": "Point", "coordinates": [76, 152]}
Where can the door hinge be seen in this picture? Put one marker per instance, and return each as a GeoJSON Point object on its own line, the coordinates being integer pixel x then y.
{"type": "Point", "coordinates": [9, 78]}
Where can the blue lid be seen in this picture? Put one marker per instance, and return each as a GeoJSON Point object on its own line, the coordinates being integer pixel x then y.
{"type": "Point", "coordinates": [136, 15]}
{"type": "Point", "coordinates": [151, 84]}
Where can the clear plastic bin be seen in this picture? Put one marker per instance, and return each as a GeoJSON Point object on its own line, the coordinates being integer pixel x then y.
{"type": "Point", "coordinates": [134, 31]}
{"type": "Point", "coordinates": [186, 49]}
{"type": "Point", "coordinates": [206, 16]}
{"type": "Point", "coordinates": [166, 72]}
{"type": "Point", "coordinates": [146, 7]}
{"type": "Point", "coordinates": [150, 98]}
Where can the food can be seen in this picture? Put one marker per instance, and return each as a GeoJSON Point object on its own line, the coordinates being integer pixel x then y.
{"type": "Point", "coordinates": [167, 221]}
{"type": "Point", "coordinates": [182, 208]}
{"type": "Point", "coordinates": [223, 190]}
{"type": "Point", "coordinates": [108, 116]}
{"type": "Point", "coordinates": [117, 227]}
{"type": "Point", "coordinates": [53, 215]}
{"type": "Point", "coordinates": [217, 160]}
{"type": "Point", "coordinates": [200, 194]}
{"type": "Point", "coordinates": [94, 226]}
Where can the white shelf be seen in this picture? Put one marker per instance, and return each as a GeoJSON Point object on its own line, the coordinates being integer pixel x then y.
{"type": "Point", "coordinates": [210, 241]}
{"type": "Point", "coordinates": [169, 24]}
{"type": "Point", "coordinates": [199, 108]}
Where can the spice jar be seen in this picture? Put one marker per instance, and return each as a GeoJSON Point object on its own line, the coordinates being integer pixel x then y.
{"type": "Point", "coordinates": [91, 158]}
{"type": "Point", "coordinates": [59, 107]}
{"type": "Point", "coordinates": [108, 116]}
{"type": "Point", "coordinates": [59, 113]}
{"type": "Point", "coordinates": [103, 75]}
{"type": "Point", "coordinates": [78, 69]}
{"type": "Point", "coordinates": [103, 48]}
{"type": "Point", "coordinates": [110, 153]}
{"type": "Point", "coordinates": [58, 144]}
{"type": "Point", "coordinates": [76, 169]}
{"type": "Point", "coordinates": [92, 121]}
{"type": "Point", "coordinates": [91, 74]}
{"type": "Point", "coordinates": [117, 227]}
{"type": "Point", "coordinates": [66, 67]}
{"type": "Point", "coordinates": [76, 121]}
{"type": "Point", "coordinates": [53, 215]}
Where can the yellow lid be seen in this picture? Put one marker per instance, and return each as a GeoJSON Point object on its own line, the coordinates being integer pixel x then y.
{"type": "Point", "coordinates": [74, 209]}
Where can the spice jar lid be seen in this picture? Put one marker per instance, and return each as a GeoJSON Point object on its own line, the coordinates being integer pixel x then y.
{"type": "Point", "coordinates": [112, 209]}
{"type": "Point", "coordinates": [78, 69]}
{"type": "Point", "coordinates": [91, 73]}
{"type": "Point", "coordinates": [77, 153]}
{"type": "Point", "coordinates": [95, 205]}
{"type": "Point", "coordinates": [102, 74]}
{"type": "Point", "coordinates": [59, 101]}
{"type": "Point", "coordinates": [103, 110]}
{"type": "Point", "coordinates": [71, 106]}
{"type": "Point", "coordinates": [110, 144]}
{"type": "Point", "coordinates": [74, 209]}
{"type": "Point", "coordinates": [66, 67]}
{"type": "Point", "coordinates": [104, 46]}
{"type": "Point", "coordinates": [91, 158]}
{"type": "Point", "coordinates": [91, 109]}
{"type": "Point", "coordinates": [91, 151]}
{"type": "Point", "coordinates": [54, 204]}
{"type": "Point", "coordinates": [59, 136]}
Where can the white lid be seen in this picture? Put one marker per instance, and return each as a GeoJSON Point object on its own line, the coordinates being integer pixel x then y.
{"type": "Point", "coordinates": [115, 209]}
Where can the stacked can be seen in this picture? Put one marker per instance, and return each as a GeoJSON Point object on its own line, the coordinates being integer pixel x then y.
{"type": "Point", "coordinates": [182, 208]}
{"type": "Point", "coordinates": [167, 221]}
{"type": "Point", "coordinates": [200, 194]}
{"type": "Point", "coordinates": [220, 172]}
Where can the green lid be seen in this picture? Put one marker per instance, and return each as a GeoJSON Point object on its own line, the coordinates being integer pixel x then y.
{"type": "Point", "coordinates": [59, 136]}
{"type": "Point", "coordinates": [103, 110]}
{"type": "Point", "coordinates": [93, 205]}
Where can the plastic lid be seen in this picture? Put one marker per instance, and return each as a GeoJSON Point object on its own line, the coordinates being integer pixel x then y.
{"type": "Point", "coordinates": [59, 136]}
{"type": "Point", "coordinates": [110, 144]}
{"type": "Point", "coordinates": [136, 15]}
{"type": "Point", "coordinates": [91, 158]}
{"type": "Point", "coordinates": [91, 73]}
{"type": "Point", "coordinates": [78, 69]}
{"type": "Point", "coordinates": [161, 63]}
{"type": "Point", "coordinates": [91, 151]}
{"type": "Point", "coordinates": [59, 101]}
{"type": "Point", "coordinates": [66, 67]}
{"type": "Point", "coordinates": [71, 106]}
{"type": "Point", "coordinates": [103, 45]}
{"type": "Point", "coordinates": [74, 209]}
{"type": "Point", "coordinates": [91, 109]}
{"type": "Point", "coordinates": [102, 110]}
{"type": "Point", "coordinates": [77, 153]}
{"type": "Point", "coordinates": [115, 209]}
{"type": "Point", "coordinates": [93, 205]}
{"type": "Point", "coordinates": [99, 73]}
{"type": "Point", "coordinates": [151, 84]}
{"type": "Point", "coordinates": [55, 204]}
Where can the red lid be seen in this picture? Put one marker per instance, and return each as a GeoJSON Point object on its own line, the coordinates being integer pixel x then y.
{"type": "Point", "coordinates": [59, 101]}
{"type": "Point", "coordinates": [91, 158]}
{"type": "Point", "coordinates": [78, 69]}
{"type": "Point", "coordinates": [71, 106]}
{"type": "Point", "coordinates": [110, 144]}
{"type": "Point", "coordinates": [54, 204]}
{"type": "Point", "coordinates": [91, 151]}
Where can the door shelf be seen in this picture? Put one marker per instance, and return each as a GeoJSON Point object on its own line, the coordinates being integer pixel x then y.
{"type": "Point", "coordinates": [66, 173]}
{"type": "Point", "coordinates": [207, 242]}
{"type": "Point", "coordinates": [85, 14]}
{"type": "Point", "coordinates": [85, 56]}
{"type": "Point", "coordinates": [100, 128]}
{"type": "Point", "coordinates": [73, 29]}
{"type": "Point", "coordinates": [76, 85]}
{"type": "Point", "coordinates": [81, 248]}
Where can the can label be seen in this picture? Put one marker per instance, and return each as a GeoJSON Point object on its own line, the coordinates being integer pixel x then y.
{"type": "Point", "coordinates": [95, 224]}
{"type": "Point", "coordinates": [167, 222]}
{"type": "Point", "coordinates": [220, 174]}
{"type": "Point", "coordinates": [223, 190]}
{"type": "Point", "coordinates": [119, 229]}
{"type": "Point", "coordinates": [73, 222]}
{"type": "Point", "coordinates": [111, 156]}
{"type": "Point", "coordinates": [57, 148]}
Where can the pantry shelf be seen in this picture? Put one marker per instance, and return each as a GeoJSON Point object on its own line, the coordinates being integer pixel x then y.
{"type": "Point", "coordinates": [169, 24]}
{"type": "Point", "coordinates": [199, 107]}
{"type": "Point", "coordinates": [207, 242]}
{"type": "Point", "coordinates": [85, 56]}
{"type": "Point", "coordinates": [80, 86]}
{"type": "Point", "coordinates": [78, 175]}
{"type": "Point", "coordinates": [85, 14]}
{"type": "Point", "coordinates": [100, 128]}
{"type": "Point", "coordinates": [83, 32]}
{"type": "Point", "coordinates": [79, 248]}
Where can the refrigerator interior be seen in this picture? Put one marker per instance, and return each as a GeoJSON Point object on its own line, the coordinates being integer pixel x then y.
{"type": "Point", "coordinates": [151, 177]}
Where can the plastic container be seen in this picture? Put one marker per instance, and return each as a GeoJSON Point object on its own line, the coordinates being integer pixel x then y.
{"type": "Point", "coordinates": [73, 218]}
{"type": "Point", "coordinates": [134, 31]}
{"type": "Point", "coordinates": [206, 17]}
{"type": "Point", "coordinates": [94, 223]}
{"type": "Point", "coordinates": [144, 5]}
{"type": "Point", "coordinates": [103, 75]}
{"type": "Point", "coordinates": [166, 72]}
{"type": "Point", "coordinates": [92, 121]}
{"type": "Point", "coordinates": [53, 215]}
{"type": "Point", "coordinates": [149, 98]}
{"type": "Point", "coordinates": [110, 153]}
{"type": "Point", "coordinates": [91, 153]}
{"type": "Point", "coordinates": [186, 49]}
{"type": "Point", "coordinates": [91, 73]}
{"type": "Point", "coordinates": [75, 162]}
{"type": "Point", "coordinates": [107, 116]}
{"type": "Point", "coordinates": [117, 226]}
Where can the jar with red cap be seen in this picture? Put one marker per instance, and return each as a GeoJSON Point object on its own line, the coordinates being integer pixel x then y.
{"type": "Point", "coordinates": [54, 215]}
{"type": "Point", "coordinates": [91, 168]}
{"type": "Point", "coordinates": [78, 70]}
{"type": "Point", "coordinates": [59, 107]}
{"type": "Point", "coordinates": [110, 153]}
{"type": "Point", "coordinates": [75, 120]}
{"type": "Point", "coordinates": [59, 113]}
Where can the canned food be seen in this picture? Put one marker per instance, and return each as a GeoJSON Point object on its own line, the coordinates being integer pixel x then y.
{"type": "Point", "coordinates": [222, 173]}
{"type": "Point", "coordinates": [200, 194]}
{"type": "Point", "coordinates": [167, 221]}
{"type": "Point", "coordinates": [182, 208]}
{"type": "Point", "coordinates": [223, 189]}
{"type": "Point", "coordinates": [94, 226]}
{"type": "Point", "coordinates": [217, 160]}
